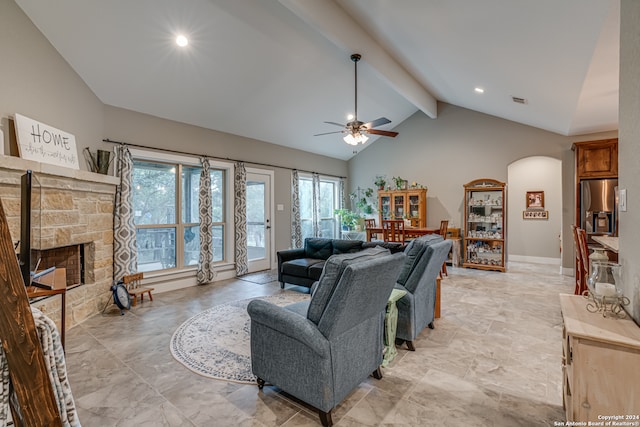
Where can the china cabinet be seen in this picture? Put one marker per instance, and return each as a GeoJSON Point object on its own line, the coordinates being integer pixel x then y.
{"type": "Point", "coordinates": [485, 228]}
{"type": "Point", "coordinates": [404, 204]}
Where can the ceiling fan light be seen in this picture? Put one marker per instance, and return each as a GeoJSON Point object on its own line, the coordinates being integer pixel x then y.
{"type": "Point", "coordinates": [363, 138]}
{"type": "Point", "coordinates": [350, 139]}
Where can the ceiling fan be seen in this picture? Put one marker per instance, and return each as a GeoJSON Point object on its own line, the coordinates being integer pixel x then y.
{"type": "Point", "coordinates": [356, 131]}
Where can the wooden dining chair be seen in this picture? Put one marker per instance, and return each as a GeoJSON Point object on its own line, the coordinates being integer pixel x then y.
{"type": "Point", "coordinates": [584, 254]}
{"type": "Point", "coordinates": [578, 263]}
{"type": "Point", "coordinates": [393, 230]}
{"type": "Point", "coordinates": [444, 225]}
{"type": "Point", "coordinates": [370, 223]}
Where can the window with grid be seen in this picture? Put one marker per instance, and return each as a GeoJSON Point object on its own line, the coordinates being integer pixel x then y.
{"type": "Point", "coordinates": [165, 201]}
{"type": "Point", "coordinates": [328, 202]}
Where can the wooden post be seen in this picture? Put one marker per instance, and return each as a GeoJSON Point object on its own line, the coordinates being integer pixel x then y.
{"type": "Point", "coordinates": [20, 341]}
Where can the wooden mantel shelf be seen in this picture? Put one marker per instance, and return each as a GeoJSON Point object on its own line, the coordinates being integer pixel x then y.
{"type": "Point", "coordinates": [20, 164]}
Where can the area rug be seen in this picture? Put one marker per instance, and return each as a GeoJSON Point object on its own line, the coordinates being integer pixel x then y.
{"type": "Point", "coordinates": [216, 342]}
{"type": "Point", "coordinates": [261, 277]}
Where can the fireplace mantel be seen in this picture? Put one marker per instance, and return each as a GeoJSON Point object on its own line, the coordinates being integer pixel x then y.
{"type": "Point", "coordinates": [20, 164]}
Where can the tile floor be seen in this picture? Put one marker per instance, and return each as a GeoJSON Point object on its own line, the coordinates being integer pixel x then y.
{"type": "Point", "coordinates": [493, 359]}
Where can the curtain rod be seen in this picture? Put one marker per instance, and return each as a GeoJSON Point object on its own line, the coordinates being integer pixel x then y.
{"type": "Point", "coordinates": [219, 158]}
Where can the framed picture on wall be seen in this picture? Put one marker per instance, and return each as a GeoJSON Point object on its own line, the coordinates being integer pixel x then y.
{"type": "Point", "coordinates": [535, 199]}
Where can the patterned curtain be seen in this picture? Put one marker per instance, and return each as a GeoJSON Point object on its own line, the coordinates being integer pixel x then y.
{"type": "Point", "coordinates": [315, 204]}
{"type": "Point", "coordinates": [206, 271]}
{"type": "Point", "coordinates": [296, 226]}
{"type": "Point", "coordinates": [125, 254]}
{"type": "Point", "coordinates": [240, 216]}
{"type": "Point", "coordinates": [342, 196]}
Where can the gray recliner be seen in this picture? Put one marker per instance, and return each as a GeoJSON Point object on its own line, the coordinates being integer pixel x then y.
{"type": "Point", "coordinates": [416, 310]}
{"type": "Point", "coordinates": [320, 350]}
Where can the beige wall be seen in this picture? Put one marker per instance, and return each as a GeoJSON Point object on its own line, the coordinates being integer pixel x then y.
{"type": "Point", "coordinates": [462, 145]}
{"type": "Point", "coordinates": [35, 81]}
{"type": "Point", "coordinates": [629, 150]}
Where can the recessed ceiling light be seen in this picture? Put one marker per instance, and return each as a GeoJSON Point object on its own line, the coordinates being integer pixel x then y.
{"type": "Point", "coordinates": [349, 116]}
{"type": "Point", "coordinates": [182, 41]}
{"type": "Point", "coordinates": [479, 90]}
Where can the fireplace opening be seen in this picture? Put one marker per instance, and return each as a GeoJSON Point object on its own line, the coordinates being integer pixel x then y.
{"type": "Point", "coordinates": [69, 257]}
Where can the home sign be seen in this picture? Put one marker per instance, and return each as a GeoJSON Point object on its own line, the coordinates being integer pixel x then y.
{"type": "Point", "coordinates": [43, 143]}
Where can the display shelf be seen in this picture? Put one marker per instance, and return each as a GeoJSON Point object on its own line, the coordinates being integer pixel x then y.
{"type": "Point", "coordinates": [485, 227]}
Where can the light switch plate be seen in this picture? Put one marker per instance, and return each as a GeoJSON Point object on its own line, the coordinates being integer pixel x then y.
{"type": "Point", "coordinates": [622, 200]}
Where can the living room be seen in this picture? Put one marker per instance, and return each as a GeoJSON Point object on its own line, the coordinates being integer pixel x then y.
{"type": "Point", "coordinates": [442, 154]}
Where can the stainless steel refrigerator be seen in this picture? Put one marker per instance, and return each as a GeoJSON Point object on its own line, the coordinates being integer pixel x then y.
{"type": "Point", "coordinates": [599, 206]}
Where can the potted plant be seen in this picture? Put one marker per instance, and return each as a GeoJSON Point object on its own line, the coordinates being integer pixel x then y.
{"type": "Point", "coordinates": [380, 181]}
{"type": "Point", "coordinates": [348, 218]}
{"type": "Point", "coordinates": [401, 183]}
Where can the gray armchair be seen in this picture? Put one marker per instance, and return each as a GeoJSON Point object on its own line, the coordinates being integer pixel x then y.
{"type": "Point", "coordinates": [320, 350]}
{"type": "Point", "coordinates": [416, 310]}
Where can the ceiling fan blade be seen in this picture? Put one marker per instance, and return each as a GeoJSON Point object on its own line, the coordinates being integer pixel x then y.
{"type": "Point", "coordinates": [382, 132]}
{"type": "Point", "coordinates": [377, 122]}
{"type": "Point", "coordinates": [329, 133]}
{"type": "Point", "coordinates": [334, 123]}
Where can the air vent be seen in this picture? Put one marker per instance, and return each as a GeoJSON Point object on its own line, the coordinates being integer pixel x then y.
{"type": "Point", "coordinates": [519, 100]}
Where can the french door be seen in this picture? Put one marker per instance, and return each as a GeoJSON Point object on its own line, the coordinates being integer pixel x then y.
{"type": "Point", "coordinates": [259, 202]}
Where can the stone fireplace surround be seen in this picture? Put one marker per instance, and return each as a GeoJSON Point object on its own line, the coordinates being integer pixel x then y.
{"type": "Point", "coordinates": [72, 209]}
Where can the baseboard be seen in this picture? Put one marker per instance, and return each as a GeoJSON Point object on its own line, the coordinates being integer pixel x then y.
{"type": "Point", "coordinates": [535, 259]}
{"type": "Point", "coordinates": [174, 281]}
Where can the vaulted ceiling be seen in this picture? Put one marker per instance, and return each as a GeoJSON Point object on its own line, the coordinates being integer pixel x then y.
{"type": "Point", "coordinates": [275, 70]}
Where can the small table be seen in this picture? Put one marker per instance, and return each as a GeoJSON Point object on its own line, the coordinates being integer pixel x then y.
{"type": "Point", "coordinates": [390, 326]}
{"type": "Point", "coordinates": [58, 282]}
{"type": "Point", "coordinates": [352, 235]}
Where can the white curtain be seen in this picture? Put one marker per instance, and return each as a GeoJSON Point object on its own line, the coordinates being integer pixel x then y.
{"type": "Point", "coordinates": [296, 226]}
{"type": "Point", "coordinates": [206, 271]}
{"type": "Point", "coordinates": [240, 216]}
{"type": "Point", "coordinates": [125, 254]}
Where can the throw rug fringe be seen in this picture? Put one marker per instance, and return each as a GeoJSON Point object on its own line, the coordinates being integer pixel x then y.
{"type": "Point", "coordinates": [216, 343]}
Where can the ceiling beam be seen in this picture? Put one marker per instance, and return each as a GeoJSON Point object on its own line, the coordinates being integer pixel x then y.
{"type": "Point", "coordinates": [333, 22]}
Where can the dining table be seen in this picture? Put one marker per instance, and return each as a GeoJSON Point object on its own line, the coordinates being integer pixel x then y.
{"type": "Point", "coordinates": [409, 232]}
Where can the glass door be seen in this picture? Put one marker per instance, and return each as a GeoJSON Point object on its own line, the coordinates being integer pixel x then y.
{"type": "Point", "coordinates": [258, 221]}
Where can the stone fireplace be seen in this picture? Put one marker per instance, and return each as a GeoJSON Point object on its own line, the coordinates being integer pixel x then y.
{"type": "Point", "coordinates": [72, 227]}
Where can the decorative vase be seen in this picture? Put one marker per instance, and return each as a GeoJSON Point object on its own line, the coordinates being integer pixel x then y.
{"type": "Point", "coordinates": [605, 279]}
{"type": "Point", "coordinates": [596, 256]}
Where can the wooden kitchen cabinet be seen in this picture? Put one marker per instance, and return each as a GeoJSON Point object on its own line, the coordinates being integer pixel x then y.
{"type": "Point", "coordinates": [401, 204]}
{"type": "Point", "coordinates": [600, 360]}
{"type": "Point", "coordinates": [596, 159]}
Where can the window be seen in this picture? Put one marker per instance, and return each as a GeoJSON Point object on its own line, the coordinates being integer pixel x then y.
{"type": "Point", "coordinates": [165, 203]}
{"type": "Point", "coordinates": [329, 200]}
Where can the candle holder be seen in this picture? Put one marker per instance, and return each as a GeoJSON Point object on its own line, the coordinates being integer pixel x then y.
{"type": "Point", "coordinates": [603, 289]}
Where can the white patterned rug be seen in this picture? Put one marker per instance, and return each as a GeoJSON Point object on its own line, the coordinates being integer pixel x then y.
{"type": "Point", "coordinates": [216, 342]}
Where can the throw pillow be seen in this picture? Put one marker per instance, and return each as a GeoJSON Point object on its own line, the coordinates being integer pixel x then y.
{"type": "Point", "coordinates": [333, 269]}
{"type": "Point", "coordinates": [346, 246]}
{"type": "Point", "coordinates": [319, 248]}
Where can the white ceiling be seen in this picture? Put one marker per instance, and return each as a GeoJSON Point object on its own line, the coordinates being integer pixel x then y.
{"type": "Point", "coordinates": [275, 70]}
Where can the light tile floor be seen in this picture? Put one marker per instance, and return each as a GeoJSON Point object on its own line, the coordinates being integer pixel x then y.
{"type": "Point", "coordinates": [493, 359]}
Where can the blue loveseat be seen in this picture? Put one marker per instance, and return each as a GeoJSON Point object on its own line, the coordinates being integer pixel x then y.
{"type": "Point", "coordinates": [304, 266]}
